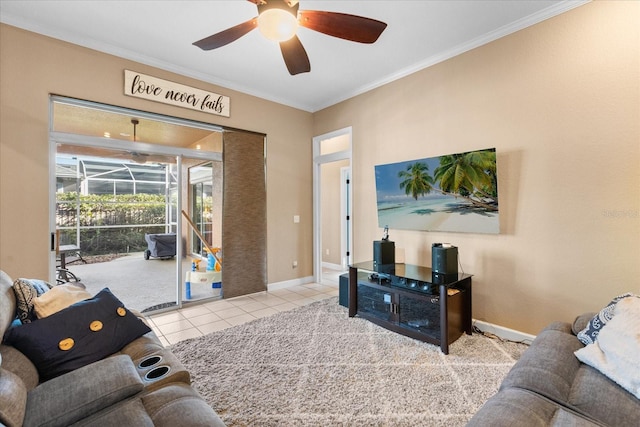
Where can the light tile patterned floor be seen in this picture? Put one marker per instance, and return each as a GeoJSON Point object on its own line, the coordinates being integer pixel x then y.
{"type": "Point", "coordinates": [198, 320]}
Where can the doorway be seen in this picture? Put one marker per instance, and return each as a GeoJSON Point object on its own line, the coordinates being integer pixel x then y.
{"type": "Point", "coordinates": [332, 205]}
{"type": "Point", "coordinates": [142, 172]}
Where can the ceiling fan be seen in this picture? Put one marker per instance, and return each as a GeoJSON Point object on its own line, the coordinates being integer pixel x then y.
{"type": "Point", "coordinates": [118, 153]}
{"type": "Point", "coordinates": [279, 19]}
{"type": "Point", "coordinates": [141, 157]}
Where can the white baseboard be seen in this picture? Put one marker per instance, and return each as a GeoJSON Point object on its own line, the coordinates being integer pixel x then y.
{"type": "Point", "coordinates": [289, 283]}
{"type": "Point", "coordinates": [331, 266]}
{"type": "Point", "coordinates": [503, 332]}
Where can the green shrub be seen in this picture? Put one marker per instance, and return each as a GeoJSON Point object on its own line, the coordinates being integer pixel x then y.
{"type": "Point", "coordinates": [120, 221]}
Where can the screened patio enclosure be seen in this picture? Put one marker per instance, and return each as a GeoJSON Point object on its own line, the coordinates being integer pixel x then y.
{"type": "Point", "coordinates": [105, 206]}
{"type": "Point", "coordinates": [103, 176]}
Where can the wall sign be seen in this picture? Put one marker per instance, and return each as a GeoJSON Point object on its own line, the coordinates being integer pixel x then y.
{"type": "Point", "coordinates": [166, 92]}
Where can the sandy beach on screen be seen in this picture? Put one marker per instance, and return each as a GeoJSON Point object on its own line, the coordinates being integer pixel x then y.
{"type": "Point", "coordinates": [442, 214]}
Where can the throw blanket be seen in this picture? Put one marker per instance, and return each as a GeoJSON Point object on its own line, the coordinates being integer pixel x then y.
{"type": "Point", "coordinates": [616, 351]}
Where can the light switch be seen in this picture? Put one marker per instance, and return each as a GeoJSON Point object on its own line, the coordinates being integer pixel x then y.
{"type": "Point", "coordinates": [296, 219]}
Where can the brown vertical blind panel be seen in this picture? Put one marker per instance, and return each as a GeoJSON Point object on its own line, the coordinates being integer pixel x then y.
{"type": "Point", "coordinates": [244, 215]}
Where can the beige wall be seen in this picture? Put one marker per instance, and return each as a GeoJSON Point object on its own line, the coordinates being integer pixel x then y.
{"type": "Point", "coordinates": [33, 66]}
{"type": "Point", "coordinates": [560, 101]}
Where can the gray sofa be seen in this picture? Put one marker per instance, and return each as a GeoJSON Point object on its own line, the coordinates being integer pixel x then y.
{"type": "Point", "coordinates": [143, 384]}
{"type": "Point", "coordinates": [549, 386]}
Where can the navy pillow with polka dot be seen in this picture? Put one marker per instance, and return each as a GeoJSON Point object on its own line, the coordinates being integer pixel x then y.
{"type": "Point", "coordinates": [78, 335]}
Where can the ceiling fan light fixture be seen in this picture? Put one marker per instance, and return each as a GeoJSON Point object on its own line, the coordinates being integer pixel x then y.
{"type": "Point", "coordinates": [278, 20]}
{"type": "Point", "coordinates": [134, 122]}
{"type": "Point", "coordinates": [277, 24]}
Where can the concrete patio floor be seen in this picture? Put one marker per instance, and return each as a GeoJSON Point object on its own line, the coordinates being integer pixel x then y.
{"type": "Point", "coordinates": [140, 283]}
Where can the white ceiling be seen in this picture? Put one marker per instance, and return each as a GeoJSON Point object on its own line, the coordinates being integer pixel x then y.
{"type": "Point", "coordinates": [160, 33]}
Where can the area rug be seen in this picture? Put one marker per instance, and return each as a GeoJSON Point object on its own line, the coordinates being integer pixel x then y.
{"type": "Point", "coordinates": [315, 366]}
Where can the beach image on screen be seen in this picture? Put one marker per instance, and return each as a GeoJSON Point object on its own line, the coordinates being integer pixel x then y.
{"type": "Point", "coordinates": [454, 192]}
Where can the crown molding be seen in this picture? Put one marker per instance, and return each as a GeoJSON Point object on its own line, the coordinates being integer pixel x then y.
{"type": "Point", "coordinates": [515, 26]}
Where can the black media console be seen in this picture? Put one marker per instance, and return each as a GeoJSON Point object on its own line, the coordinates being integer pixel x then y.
{"type": "Point", "coordinates": [412, 300]}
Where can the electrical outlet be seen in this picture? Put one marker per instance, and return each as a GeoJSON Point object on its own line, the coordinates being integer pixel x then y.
{"type": "Point", "coordinates": [295, 264]}
{"type": "Point", "coordinates": [326, 252]}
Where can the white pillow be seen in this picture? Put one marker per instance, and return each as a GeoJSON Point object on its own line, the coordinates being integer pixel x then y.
{"type": "Point", "coordinates": [589, 334]}
{"type": "Point", "coordinates": [58, 298]}
{"type": "Point", "coordinates": [615, 352]}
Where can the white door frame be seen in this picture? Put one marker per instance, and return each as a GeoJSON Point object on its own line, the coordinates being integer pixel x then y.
{"type": "Point", "coordinates": [318, 160]}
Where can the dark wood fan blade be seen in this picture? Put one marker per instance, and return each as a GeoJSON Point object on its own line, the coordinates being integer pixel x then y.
{"type": "Point", "coordinates": [349, 27]}
{"type": "Point", "coordinates": [295, 57]}
{"type": "Point", "coordinates": [227, 36]}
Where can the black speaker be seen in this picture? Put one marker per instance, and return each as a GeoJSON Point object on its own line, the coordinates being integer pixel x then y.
{"type": "Point", "coordinates": [443, 279]}
{"type": "Point", "coordinates": [343, 291]}
{"type": "Point", "coordinates": [444, 258]}
{"type": "Point", "coordinates": [384, 253]}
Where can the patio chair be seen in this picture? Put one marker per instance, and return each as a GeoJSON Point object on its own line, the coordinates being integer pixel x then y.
{"type": "Point", "coordinates": [63, 275]}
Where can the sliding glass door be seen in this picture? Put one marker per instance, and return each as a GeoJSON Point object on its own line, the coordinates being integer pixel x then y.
{"type": "Point", "coordinates": [201, 187]}
{"type": "Point", "coordinates": [121, 197]}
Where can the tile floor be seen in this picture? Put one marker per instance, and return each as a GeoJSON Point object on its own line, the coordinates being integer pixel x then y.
{"type": "Point", "coordinates": [197, 320]}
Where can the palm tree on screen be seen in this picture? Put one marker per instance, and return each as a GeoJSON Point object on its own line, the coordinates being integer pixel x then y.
{"type": "Point", "coordinates": [471, 175]}
{"type": "Point", "coordinates": [416, 180]}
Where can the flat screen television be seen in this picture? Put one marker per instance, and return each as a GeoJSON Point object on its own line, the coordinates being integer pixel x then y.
{"type": "Point", "coordinates": [453, 193]}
